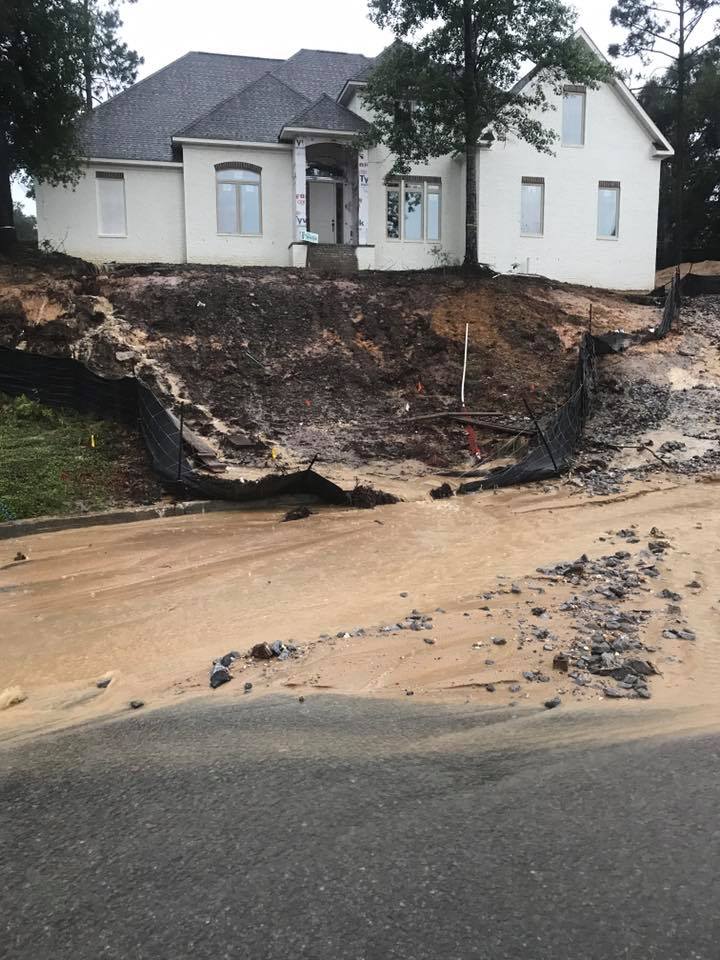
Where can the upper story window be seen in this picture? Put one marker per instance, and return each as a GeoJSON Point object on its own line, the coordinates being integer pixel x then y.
{"type": "Point", "coordinates": [573, 116]}
{"type": "Point", "coordinates": [608, 210]}
{"type": "Point", "coordinates": [532, 207]}
{"type": "Point", "coordinates": [239, 200]}
{"type": "Point", "coordinates": [413, 210]}
{"type": "Point", "coordinates": [111, 212]}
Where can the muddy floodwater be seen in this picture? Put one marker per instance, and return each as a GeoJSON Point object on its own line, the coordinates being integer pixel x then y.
{"type": "Point", "coordinates": [150, 605]}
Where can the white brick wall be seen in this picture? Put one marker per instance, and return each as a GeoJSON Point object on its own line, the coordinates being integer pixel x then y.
{"type": "Point", "coordinates": [616, 148]}
{"type": "Point", "coordinates": [67, 217]}
{"type": "Point", "coordinates": [204, 243]}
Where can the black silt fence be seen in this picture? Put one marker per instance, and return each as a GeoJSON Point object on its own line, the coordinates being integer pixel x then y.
{"type": "Point", "coordinates": [561, 434]}
{"type": "Point", "coordinates": [62, 382]}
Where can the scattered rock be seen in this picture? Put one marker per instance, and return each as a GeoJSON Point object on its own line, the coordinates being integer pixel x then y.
{"type": "Point", "coordinates": [103, 683]}
{"type": "Point", "coordinates": [499, 641]}
{"type": "Point", "coordinates": [514, 688]}
{"type": "Point", "coordinates": [248, 687]}
{"type": "Point", "coordinates": [136, 704]}
{"type": "Point", "coordinates": [490, 687]}
{"type": "Point", "coordinates": [443, 492]}
{"type": "Point", "coordinates": [299, 513]}
{"type": "Point", "coordinates": [219, 674]}
{"type": "Point", "coordinates": [551, 704]}
{"type": "Point", "coordinates": [365, 497]}
{"type": "Point", "coordinates": [261, 651]}
{"type": "Point", "coordinates": [301, 699]}
{"type": "Point", "coordinates": [514, 588]}
{"type": "Point", "coordinates": [538, 611]}
{"type": "Point", "coordinates": [19, 557]}
{"type": "Point", "coordinates": [429, 640]}
{"type": "Point", "coordinates": [230, 658]}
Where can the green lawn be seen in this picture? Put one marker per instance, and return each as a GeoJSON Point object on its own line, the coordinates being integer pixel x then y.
{"type": "Point", "coordinates": [48, 464]}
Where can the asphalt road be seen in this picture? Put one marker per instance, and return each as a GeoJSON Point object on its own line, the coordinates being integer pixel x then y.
{"type": "Point", "coordinates": [333, 829]}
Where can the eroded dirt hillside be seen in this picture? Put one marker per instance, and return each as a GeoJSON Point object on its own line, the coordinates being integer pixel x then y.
{"type": "Point", "coordinates": [304, 365]}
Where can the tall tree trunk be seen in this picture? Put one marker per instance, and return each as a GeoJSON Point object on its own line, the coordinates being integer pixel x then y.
{"type": "Point", "coordinates": [87, 59]}
{"type": "Point", "coordinates": [681, 145]}
{"type": "Point", "coordinates": [471, 223]}
{"type": "Point", "coordinates": [8, 237]}
{"type": "Point", "coordinates": [471, 135]}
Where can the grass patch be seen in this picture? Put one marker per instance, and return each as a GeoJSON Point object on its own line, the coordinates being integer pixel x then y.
{"type": "Point", "coordinates": [57, 461]}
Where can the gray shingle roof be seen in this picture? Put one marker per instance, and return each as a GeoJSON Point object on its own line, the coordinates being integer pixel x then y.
{"type": "Point", "coordinates": [328, 114]}
{"type": "Point", "coordinates": [315, 72]}
{"type": "Point", "coordinates": [258, 113]}
{"type": "Point", "coordinates": [207, 94]}
{"type": "Point", "coordinates": [138, 123]}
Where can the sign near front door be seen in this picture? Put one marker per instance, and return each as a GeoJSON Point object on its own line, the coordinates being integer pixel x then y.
{"type": "Point", "coordinates": [310, 237]}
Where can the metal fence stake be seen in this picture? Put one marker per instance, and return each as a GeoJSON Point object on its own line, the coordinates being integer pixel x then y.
{"type": "Point", "coordinates": [180, 442]}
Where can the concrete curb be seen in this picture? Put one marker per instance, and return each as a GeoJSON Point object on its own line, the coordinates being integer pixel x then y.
{"type": "Point", "coordinates": [26, 528]}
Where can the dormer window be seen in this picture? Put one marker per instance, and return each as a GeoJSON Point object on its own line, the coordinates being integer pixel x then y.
{"type": "Point", "coordinates": [573, 116]}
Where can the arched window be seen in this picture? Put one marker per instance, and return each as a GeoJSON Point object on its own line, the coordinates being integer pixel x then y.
{"type": "Point", "coordinates": [239, 198]}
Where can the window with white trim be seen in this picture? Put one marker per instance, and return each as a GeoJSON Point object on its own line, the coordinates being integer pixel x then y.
{"type": "Point", "coordinates": [608, 210]}
{"type": "Point", "coordinates": [239, 199]}
{"type": "Point", "coordinates": [573, 116]}
{"type": "Point", "coordinates": [532, 207]}
{"type": "Point", "coordinates": [413, 210]}
{"type": "Point", "coordinates": [111, 211]}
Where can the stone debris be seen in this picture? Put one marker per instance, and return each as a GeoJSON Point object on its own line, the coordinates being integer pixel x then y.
{"type": "Point", "coordinates": [136, 704]}
{"type": "Point", "coordinates": [551, 704]}
{"type": "Point", "coordinates": [299, 513]}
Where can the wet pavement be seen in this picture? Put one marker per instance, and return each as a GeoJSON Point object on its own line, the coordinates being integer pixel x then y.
{"type": "Point", "coordinates": [367, 830]}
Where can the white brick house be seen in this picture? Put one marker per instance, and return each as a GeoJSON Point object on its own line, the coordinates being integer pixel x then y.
{"type": "Point", "coordinates": [225, 159]}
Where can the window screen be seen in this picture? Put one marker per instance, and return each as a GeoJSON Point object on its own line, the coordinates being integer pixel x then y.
{"type": "Point", "coordinates": [413, 212]}
{"type": "Point", "coordinates": [532, 207]}
{"type": "Point", "coordinates": [573, 117]}
{"type": "Point", "coordinates": [111, 216]}
{"type": "Point", "coordinates": [608, 209]}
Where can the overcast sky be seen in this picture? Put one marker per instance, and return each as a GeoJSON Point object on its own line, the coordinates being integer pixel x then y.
{"type": "Point", "coordinates": [162, 30]}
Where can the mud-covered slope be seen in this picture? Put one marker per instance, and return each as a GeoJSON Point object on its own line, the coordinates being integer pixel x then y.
{"type": "Point", "coordinates": [306, 364]}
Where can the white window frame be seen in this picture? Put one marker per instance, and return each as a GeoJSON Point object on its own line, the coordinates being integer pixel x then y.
{"type": "Point", "coordinates": [238, 183]}
{"type": "Point", "coordinates": [533, 182]}
{"type": "Point", "coordinates": [116, 175]}
{"type": "Point", "coordinates": [609, 185]}
{"type": "Point", "coordinates": [400, 185]}
{"type": "Point", "coordinates": [574, 91]}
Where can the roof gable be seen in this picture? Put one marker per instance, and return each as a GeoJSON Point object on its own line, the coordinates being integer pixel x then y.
{"type": "Point", "coordinates": [624, 94]}
{"type": "Point", "coordinates": [327, 114]}
{"type": "Point", "coordinates": [138, 123]}
{"type": "Point", "coordinates": [256, 113]}
{"type": "Point", "coordinates": [317, 72]}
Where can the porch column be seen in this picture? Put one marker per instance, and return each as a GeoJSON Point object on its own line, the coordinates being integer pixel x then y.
{"type": "Point", "coordinates": [363, 197]}
{"type": "Point", "coordinates": [299, 171]}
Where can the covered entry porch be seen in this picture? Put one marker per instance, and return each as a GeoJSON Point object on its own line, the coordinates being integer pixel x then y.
{"type": "Point", "coordinates": [331, 197]}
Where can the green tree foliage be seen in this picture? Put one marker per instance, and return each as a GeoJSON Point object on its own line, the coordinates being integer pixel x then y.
{"type": "Point", "coordinates": [47, 48]}
{"type": "Point", "coordinates": [452, 76]}
{"type": "Point", "coordinates": [701, 190]}
{"type": "Point", "coordinates": [667, 30]}
{"type": "Point", "coordinates": [25, 225]}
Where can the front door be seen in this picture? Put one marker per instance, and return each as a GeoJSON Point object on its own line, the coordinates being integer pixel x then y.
{"type": "Point", "coordinates": [322, 210]}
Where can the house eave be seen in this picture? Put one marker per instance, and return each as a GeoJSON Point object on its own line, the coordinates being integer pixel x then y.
{"type": "Point", "coordinates": [350, 87]}
{"type": "Point", "coordinates": [115, 162]}
{"type": "Point", "coordinates": [251, 144]}
{"type": "Point", "coordinates": [316, 132]}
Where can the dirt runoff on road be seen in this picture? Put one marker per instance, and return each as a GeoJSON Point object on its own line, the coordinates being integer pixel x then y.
{"type": "Point", "coordinates": [500, 583]}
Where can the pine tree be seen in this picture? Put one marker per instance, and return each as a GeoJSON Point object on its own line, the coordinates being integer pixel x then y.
{"type": "Point", "coordinates": [667, 30]}
{"type": "Point", "coordinates": [109, 65]}
{"type": "Point", "coordinates": [451, 76]}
